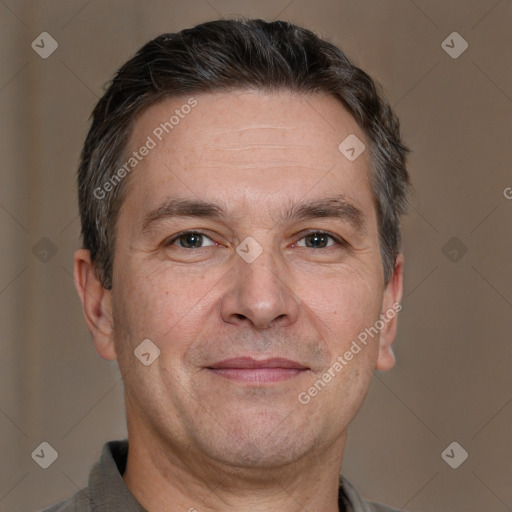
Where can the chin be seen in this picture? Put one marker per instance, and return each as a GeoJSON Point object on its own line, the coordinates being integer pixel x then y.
{"type": "Point", "coordinates": [255, 457]}
{"type": "Point", "coordinates": [264, 443]}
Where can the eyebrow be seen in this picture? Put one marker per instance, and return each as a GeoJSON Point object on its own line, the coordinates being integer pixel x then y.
{"type": "Point", "coordinates": [331, 207]}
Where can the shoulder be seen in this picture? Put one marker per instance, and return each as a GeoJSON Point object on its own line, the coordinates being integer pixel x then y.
{"type": "Point", "coordinates": [378, 507]}
{"type": "Point", "coordinates": [79, 502]}
{"type": "Point", "coordinates": [356, 503]}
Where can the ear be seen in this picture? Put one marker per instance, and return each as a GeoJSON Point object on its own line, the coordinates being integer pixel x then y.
{"type": "Point", "coordinates": [96, 304]}
{"type": "Point", "coordinates": [390, 308]}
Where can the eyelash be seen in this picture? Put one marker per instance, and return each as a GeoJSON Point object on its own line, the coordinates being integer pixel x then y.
{"type": "Point", "coordinates": [340, 241]}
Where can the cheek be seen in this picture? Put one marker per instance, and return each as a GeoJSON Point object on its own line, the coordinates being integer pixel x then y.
{"type": "Point", "coordinates": [170, 308]}
{"type": "Point", "coordinates": [341, 304]}
{"type": "Point", "coordinates": [341, 310]}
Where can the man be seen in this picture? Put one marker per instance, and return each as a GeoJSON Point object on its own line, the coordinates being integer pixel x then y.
{"type": "Point", "coordinates": [240, 191]}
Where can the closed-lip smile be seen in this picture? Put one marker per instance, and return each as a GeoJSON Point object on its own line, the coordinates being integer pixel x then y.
{"type": "Point", "coordinates": [257, 371]}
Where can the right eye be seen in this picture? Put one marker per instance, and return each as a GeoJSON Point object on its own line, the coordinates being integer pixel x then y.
{"type": "Point", "coordinates": [189, 240]}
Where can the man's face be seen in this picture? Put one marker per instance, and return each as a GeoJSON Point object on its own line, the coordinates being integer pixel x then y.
{"type": "Point", "coordinates": [257, 284]}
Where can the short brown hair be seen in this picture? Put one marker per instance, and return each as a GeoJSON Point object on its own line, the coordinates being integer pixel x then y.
{"type": "Point", "coordinates": [228, 55]}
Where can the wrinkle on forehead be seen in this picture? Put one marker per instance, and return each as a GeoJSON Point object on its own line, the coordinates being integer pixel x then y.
{"type": "Point", "coordinates": [237, 147]}
{"type": "Point", "coordinates": [257, 125]}
{"type": "Point", "coordinates": [265, 155]}
{"type": "Point", "coordinates": [266, 144]}
{"type": "Point", "coordinates": [231, 137]}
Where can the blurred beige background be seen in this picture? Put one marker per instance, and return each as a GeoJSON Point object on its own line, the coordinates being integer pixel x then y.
{"type": "Point", "coordinates": [452, 381]}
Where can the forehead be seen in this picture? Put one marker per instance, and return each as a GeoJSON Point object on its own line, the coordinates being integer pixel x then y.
{"type": "Point", "coordinates": [247, 147]}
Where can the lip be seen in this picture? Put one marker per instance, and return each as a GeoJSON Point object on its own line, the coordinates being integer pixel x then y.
{"type": "Point", "coordinates": [247, 369]}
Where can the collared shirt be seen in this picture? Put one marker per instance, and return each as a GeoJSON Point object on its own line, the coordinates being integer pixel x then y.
{"type": "Point", "coordinates": [107, 492]}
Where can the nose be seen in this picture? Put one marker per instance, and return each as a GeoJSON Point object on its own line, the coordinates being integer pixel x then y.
{"type": "Point", "coordinates": [260, 294]}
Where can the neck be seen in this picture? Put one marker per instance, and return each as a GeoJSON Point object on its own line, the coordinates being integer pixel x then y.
{"type": "Point", "coordinates": [163, 476]}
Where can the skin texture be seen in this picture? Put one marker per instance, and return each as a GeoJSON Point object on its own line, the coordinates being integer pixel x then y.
{"type": "Point", "coordinates": [197, 439]}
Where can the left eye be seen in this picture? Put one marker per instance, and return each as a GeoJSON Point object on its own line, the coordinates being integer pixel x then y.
{"type": "Point", "coordinates": [318, 240]}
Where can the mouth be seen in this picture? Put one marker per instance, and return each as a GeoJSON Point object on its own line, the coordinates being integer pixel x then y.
{"type": "Point", "coordinates": [247, 369]}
